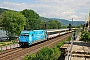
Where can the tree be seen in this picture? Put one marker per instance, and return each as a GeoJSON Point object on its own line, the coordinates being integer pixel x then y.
{"type": "Point", "coordinates": [58, 23]}
{"type": "Point", "coordinates": [54, 24]}
{"type": "Point", "coordinates": [13, 22]}
{"type": "Point", "coordinates": [33, 20]}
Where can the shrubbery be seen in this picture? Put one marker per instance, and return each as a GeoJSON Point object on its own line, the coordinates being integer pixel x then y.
{"type": "Point", "coordinates": [8, 42]}
{"type": "Point", "coordinates": [45, 54]}
{"type": "Point", "coordinates": [2, 44]}
{"type": "Point", "coordinates": [85, 36]}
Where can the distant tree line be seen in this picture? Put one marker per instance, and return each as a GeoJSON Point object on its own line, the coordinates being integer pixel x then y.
{"type": "Point", "coordinates": [14, 22]}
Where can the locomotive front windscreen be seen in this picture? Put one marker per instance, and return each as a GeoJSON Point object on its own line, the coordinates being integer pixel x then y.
{"type": "Point", "coordinates": [24, 37]}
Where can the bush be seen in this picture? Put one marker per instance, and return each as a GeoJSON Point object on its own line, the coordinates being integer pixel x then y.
{"type": "Point", "coordinates": [30, 57]}
{"type": "Point", "coordinates": [3, 44]}
{"type": "Point", "coordinates": [85, 36]}
{"type": "Point", "coordinates": [45, 54]}
{"type": "Point", "coordinates": [57, 53]}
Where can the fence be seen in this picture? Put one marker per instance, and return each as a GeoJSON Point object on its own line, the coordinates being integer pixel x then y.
{"type": "Point", "coordinates": [9, 47]}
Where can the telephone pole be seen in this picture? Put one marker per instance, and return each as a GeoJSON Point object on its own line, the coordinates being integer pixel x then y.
{"type": "Point", "coordinates": [89, 21]}
{"type": "Point", "coordinates": [72, 21]}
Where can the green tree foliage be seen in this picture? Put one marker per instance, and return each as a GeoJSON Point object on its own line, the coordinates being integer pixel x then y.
{"type": "Point", "coordinates": [33, 19]}
{"type": "Point", "coordinates": [58, 23]}
{"type": "Point", "coordinates": [85, 36]}
{"type": "Point", "coordinates": [54, 24]}
{"type": "Point", "coordinates": [63, 26]}
{"type": "Point", "coordinates": [13, 22]}
{"type": "Point", "coordinates": [43, 25]}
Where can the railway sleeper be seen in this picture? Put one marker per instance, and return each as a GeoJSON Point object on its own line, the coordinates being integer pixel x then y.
{"type": "Point", "coordinates": [80, 55]}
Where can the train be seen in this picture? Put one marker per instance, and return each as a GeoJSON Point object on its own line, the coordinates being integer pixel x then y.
{"type": "Point", "coordinates": [28, 38]}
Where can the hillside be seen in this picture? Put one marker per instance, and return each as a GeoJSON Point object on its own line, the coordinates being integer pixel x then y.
{"type": "Point", "coordinates": [67, 22]}
{"type": "Point", "coordinates": [44, 19]}
{"type": "Point", "coordinates": [2, 10]}
{"type": "Point", "coordinates": [64, 21]}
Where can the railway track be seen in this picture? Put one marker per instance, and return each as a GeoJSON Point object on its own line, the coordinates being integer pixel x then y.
{"type": "Point", "coordinates": [80, 50]}
{"type": "Point", "coordinates": [20, 53]}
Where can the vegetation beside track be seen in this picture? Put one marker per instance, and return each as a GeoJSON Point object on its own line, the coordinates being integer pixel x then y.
{"type": "Point", "coordinates": [47, 53]}
{"type": "Point", "coordinates": [85, 36]}
{"type": "Point", "coordinates": [8, 42]}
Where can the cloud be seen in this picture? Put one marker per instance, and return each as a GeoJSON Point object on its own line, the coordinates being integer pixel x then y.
{"type": "Point", "coordinates": [66, 9]}
{"type": "Point", "coordinates": [13, 6]}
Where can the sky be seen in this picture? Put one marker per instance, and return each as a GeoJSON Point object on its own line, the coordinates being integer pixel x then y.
{"type": "Point", "coordinates": [64, 9]}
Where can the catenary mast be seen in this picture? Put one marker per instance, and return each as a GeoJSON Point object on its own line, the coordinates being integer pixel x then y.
{"type": "Point", "coordinates": [89, 21]}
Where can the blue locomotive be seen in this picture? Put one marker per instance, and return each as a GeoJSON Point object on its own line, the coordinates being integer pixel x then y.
{"type": "Point", "coordinates": [28, 38]}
